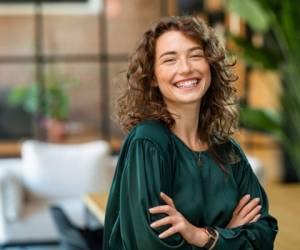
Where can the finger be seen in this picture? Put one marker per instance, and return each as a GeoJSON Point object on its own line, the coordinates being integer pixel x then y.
{"type": "Point", "coordinates": [167, 199]}
{"type": "Point", "coordinates": [251, 215]}
{"type": "Point", "coordinates": [256, 218]}
{"type": "Point", "coordinates": [168, 232]}
{"type": "Point", "coordinates": [245, 199]}
{"type": "Point", "coordinates": [162, 209]}
{"type": "Point", "coordinates": [164, 221]}
{"type": "Point", "coordinates": [249, 207]}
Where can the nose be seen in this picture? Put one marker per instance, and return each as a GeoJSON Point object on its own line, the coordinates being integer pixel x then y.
{"type": "Point", "coordinates": [184, 66]}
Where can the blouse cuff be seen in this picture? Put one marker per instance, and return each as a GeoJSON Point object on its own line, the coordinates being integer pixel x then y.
{"type": "Point", "coordinates": [224, 235]}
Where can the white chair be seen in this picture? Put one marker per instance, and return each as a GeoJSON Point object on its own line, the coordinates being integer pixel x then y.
{"type": "Point", "coordinates": [48, 174]}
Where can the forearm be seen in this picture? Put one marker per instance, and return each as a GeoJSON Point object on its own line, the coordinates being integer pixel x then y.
{"type": "Point", "coordinates": [198, 236]}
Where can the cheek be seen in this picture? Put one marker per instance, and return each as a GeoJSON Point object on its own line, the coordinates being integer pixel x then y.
{"type": "Point", "coordinates": [162, 73]}
{"type": "Point", "coordinates": [163, 77]}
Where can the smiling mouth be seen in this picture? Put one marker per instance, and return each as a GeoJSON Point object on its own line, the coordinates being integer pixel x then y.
{"type": "Point", "coordinates": [187, 84]}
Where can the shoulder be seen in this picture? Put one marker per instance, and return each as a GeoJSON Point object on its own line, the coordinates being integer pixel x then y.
{"type": "Point", "coordinates": [230, 151]}
{"type": "Point", "coordinates": [237, 150]}
{"type": "Point", "coordinates": [241, 165]}
{"type": "Point", "coordinates": [152, 131]}
{"type": "Point", "coordinates": [246, 168]}
{"type": "Point", "coordinates": [231, 145]}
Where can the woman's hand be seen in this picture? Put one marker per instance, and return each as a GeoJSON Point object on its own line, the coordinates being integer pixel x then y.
{"type": "Point", "coordinates": [193, 235]}
{"type": "Point", "coordinates": [245, 212]}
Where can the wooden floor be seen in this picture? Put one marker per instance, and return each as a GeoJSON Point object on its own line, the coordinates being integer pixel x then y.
{"type": "Point", "coordinates": [285, 206]}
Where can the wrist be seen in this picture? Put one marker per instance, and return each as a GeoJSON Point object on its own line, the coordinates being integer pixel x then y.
{"type": "Point", "coordinates": [213, 236]}
{"type": "Point", "coordinates": [200, 237]}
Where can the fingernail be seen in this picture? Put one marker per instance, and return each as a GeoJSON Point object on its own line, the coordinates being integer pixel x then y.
{"type": "Point", "coordinates": [259, 207]}
{"type": "Point", "coordinates": [257, 199]}
{"type": "Point", "coordinates": [152, 224]}
{"type": "Point", "coordinates": [150, 210]}
{"type": "Point", "coordinates": [248, 195]}
{"type": "Point", "coordinates": [162, 193]}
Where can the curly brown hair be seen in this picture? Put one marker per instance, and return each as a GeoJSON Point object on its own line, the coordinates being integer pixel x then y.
{"type": "Point", "coordinates": [142, 101]}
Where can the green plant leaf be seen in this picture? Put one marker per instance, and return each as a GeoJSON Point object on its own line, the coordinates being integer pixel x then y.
{"type": "Point", "coordinates": [289, 24]}
{"type": "Point", "coordinates": [261, 120]}
{"type": "Point", "coordinates": [55, 103]}
{"type": "Point", "coordinates": [17, 96]}
{"type": "Point", "coordinates": [282, 19]}
{"type": "Point", "coordinates": [31, 102]}
{"type": "Point", "coordinates": [257, 57]}
{"type": "Point", "coordinates": [252, 12]}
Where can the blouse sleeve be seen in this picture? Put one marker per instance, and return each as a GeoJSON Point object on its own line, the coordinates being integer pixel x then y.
{"type": "Point", "coordinates": [145, 175]}
{"type": "Point", "coordinates": [257, 235]}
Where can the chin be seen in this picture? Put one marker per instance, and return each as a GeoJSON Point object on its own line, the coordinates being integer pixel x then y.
{"type": "Point", "coordinates": [184, 101]}
{"type": "Point", "coordinates": [192, 98]}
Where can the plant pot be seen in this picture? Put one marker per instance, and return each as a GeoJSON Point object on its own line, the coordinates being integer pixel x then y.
{"type": "Point", "coordinates": [56, 130]}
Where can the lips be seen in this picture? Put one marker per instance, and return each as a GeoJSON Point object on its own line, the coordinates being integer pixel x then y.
{"type": "Point", "coordinates": [187, 83]}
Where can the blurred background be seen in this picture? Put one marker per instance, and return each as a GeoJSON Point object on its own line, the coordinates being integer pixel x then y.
{"type": "Point", "coordinates": [62, 63]}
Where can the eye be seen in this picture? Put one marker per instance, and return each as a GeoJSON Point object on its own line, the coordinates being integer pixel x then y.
{"type": "Point", "coordinates": [169, 60]}
{"type": "Point", "coordinates": [197, 56]}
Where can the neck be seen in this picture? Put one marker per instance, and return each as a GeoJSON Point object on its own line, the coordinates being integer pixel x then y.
{"type": "Point", "coordinates": [186, 125]}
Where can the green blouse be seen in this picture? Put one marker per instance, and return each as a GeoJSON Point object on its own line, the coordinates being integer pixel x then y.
{"type": "Point", "coordinates": [153, 159]}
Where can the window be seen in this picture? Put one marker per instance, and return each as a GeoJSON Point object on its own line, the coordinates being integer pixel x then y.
{"type": "Point", "coordinates": [64, 7]}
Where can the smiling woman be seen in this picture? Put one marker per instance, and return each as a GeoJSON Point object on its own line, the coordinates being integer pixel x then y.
{"type": "Point", "coordinates": [181, 182]}
{"type": "Point", "coordinates": [182, 73]}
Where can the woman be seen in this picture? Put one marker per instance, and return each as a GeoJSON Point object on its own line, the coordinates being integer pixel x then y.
{"type": "Point", "coordinates": [181, 182]}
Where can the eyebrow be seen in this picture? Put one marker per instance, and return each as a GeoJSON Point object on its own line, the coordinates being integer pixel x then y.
{"type": "Point", "coordinates": [174, 52]}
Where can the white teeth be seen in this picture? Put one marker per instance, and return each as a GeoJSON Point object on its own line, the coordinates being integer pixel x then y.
{"type": "Point", "coordinates": [187, 84]}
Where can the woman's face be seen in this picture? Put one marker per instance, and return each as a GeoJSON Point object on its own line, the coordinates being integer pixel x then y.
{"type": "Point", "coordinates": [181, 71]}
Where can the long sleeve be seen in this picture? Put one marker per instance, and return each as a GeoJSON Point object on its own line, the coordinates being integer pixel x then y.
{"type": "Point", "coordinates": [145, 174]}
{"type": "Point", "coordinates": [258, 235]}
{"type": "Point", "coordinates": [153, 160]}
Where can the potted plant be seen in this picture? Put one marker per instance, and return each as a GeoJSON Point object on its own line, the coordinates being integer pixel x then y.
{"type": "Point", "coordinates": [278, 22]}
{"type": "Point", "coordinates": [55, 108]}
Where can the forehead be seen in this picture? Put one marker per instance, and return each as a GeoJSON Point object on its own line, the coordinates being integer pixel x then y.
{"type": "Point", "coordinates": [174, 40]}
